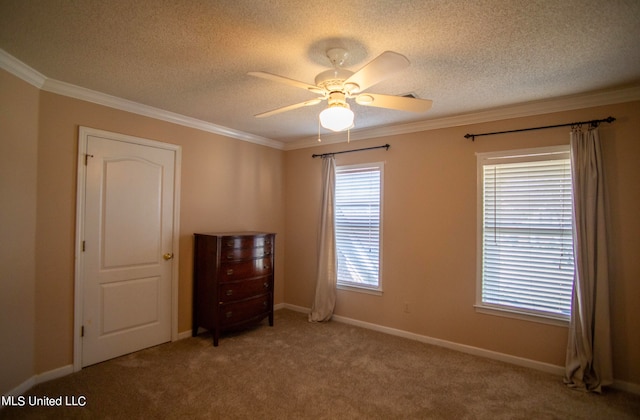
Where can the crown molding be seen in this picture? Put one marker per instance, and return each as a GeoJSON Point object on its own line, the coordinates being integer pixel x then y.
{"type": "Point", "coordinates": [88, 95]}
{"type": "Point", "coordinates": [528, 109]}
{"type": "Point", "coordinates": [21, 70]}
{"type": "Point", "coordinates": [28, 74]}
{"type": "Point", "coordinates": [546, 106]}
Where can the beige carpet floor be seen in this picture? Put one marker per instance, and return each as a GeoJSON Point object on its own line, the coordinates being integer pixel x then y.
{"type": "Point", "coordinates": [298, 370]}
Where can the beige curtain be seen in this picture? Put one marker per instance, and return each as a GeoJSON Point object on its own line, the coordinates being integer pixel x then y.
{"type": "Point", "coordinates": [588, 363]}
{"type": "Point", "coordinates": [325, 298]}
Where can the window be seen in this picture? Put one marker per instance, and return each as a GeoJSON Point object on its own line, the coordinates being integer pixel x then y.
{"type": "Point", "coordinates": [526, 238]}
{"type": "Point", "coordinates": [358, 225]}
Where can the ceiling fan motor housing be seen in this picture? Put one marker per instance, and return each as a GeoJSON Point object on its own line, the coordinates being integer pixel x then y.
{"type": "Point", "coordinates": [333, 80]}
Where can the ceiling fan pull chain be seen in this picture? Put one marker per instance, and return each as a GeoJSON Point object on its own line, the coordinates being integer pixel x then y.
{"type": "Point", "coordinates": [319, 139]}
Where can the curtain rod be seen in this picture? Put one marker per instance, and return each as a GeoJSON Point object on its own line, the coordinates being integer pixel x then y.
{"type": "Point", "coordinates": [593, 123]}
{"type": "Point", "coordinates": [386, 146]}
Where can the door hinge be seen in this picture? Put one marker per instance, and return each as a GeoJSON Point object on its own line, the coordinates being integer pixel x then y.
{"type": "Point", "coordinates": [86, 158]}
{"type": "Point", "coordinates": [84, 246]}
{"type": "Point", "coordinates": [82, 331]}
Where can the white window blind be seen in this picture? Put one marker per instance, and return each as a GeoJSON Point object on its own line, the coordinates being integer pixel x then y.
{"type": "Point", "coordinates": [527, 239]}
{"type": "Point", "coordinates": [357, 224]}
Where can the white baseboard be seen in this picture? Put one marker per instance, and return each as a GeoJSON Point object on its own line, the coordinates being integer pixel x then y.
{"type": "Point", "coordinates": [184, 334]}
{"type": "Point", "coordinates": [519, 361]}
{"type": "Point", "coordinates": [22, 388]}
{"type": "Point", "coordinates": [40, 378]}
{"type": "Point", "coordinates": [626, 386]}
{"type": "Point", "coordinates": [515, 360]}
{"type": "Point", "coordinates": [54, 374]}
{"type": "Point", "coordinates": [476, 351]}
{"type": "Point", "coordinates": [293, 307]}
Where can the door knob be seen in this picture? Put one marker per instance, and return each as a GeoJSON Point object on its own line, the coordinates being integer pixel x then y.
{"type": "Point", "coordinates": [168, 256]}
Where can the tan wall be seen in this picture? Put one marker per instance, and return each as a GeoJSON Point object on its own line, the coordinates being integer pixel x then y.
{"type": "Point", "coordinates": [226, 185]}
{"type": "Point", "coordinates": [429, 227]}
{"type": "Point", "coordinates": [429, 234]}
{"type": "Point", "coordinates": [18, 194]}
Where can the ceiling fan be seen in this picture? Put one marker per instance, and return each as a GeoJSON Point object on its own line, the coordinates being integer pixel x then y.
{"type": "Point", "coordinates": [339, 84]}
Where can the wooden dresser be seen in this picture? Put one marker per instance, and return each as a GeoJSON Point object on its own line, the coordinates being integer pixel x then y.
{"type": "Point", "coordinates": [233, 280]}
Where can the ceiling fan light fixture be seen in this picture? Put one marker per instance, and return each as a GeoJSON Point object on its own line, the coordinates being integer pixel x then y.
{"type": "Point", "coordinates": [337, 117]}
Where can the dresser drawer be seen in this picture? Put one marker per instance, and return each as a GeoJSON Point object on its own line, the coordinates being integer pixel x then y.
{"type": "Point", "coordinates": [245, 269]}
{"type": "Point", "coordinates": [246, 310]}
{"type": "Point", "coordinates": [239, 254]}
{"type": "Point", "coordinates": [238, 290]}
{"type": "Point", "coordinates": [239, 242]}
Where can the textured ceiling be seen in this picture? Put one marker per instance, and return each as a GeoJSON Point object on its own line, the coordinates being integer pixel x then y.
{"type": "Point", "coordinates": [192, 57]}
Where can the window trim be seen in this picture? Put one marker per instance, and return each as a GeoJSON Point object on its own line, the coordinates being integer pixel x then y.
{"type": "Point", "coordinates": [514, 156]}
{"type": "Point", "coordinates": [356, 287]}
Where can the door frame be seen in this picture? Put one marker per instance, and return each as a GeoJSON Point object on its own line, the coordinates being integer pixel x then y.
{"type": "Point", "coordinates": [83, 138]}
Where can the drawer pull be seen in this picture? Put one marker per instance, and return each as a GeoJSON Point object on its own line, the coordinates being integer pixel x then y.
{"type": "Point", "coordinates": [266, 267]}
{"type": "Point", "coordinates": [264, 303]}
{"type": "Point", "coordinates": [230, 243]}
{"type": "Point", "coordinates": [229, 256]}
{"type": "Point", "coordinates": [229, 271]}
{"type": "Point", "coordinates": [229, 314]}
{"type": "Point", "coordinates": [229, 292]}
{"type": "Point", "coordinates": [266, 285]}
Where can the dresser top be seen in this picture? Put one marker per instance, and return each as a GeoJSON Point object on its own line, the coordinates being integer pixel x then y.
{"type": "Point", "coordinates": [242, 233]}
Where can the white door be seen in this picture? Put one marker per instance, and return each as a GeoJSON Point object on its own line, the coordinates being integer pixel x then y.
{"type": "Point", "coordinates": [127, 249]}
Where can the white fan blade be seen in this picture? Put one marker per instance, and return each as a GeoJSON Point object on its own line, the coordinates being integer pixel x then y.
{"type": "Point", "coordinates": [377, 70]}
{"type": "Point", "coordinates": [289, 108]}
{"type": "Point", "coordinates": [286, 81]}
{"type": "Point", "coordinates": [400, 103]}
